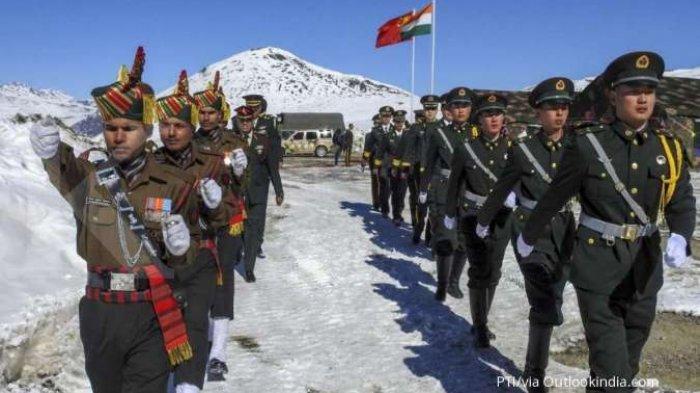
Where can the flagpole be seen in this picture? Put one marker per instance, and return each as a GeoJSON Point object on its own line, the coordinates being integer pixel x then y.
{"type": "Point", "coordinates": [432, 55]}
{"type": "Point", "coordinates": [413, 68]}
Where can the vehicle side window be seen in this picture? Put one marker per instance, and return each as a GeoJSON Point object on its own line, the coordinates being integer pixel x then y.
{"type": "Point", "coordinates": [311, 136]}
{"type": "Point", "coordinates": [298, 136]}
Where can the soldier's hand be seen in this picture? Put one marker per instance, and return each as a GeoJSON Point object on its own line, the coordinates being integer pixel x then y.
{"type": "Point", "coordinates": [511, 201]}
{"type": "Point", "coordinates": [482, 231]}
{"type": "Point", "coordinates": [176, 235]}
{"type": "Point", "coordinates": [675, 255]}
{"type": "Point", "coordinates": [240, 162]}
{"type": "Point", "coordinates": [279, 199]}
{"type": "Point", "coordinates": [423, 197]}
{"type": "Point", "coordinates": [211, 193]}
{"type": "Point", "coordinates": [449, 222]}
{"type": "Point", "coordinates": [524, 249]}
{"type": "Point", "coordinates": [44, 137]}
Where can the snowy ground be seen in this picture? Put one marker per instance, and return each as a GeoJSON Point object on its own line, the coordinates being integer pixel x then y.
{"type": "Point", "coordinates": [344, 303]}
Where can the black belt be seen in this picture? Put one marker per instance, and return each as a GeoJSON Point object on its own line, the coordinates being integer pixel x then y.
{"type": "Point", "coordinates": [114, 281]}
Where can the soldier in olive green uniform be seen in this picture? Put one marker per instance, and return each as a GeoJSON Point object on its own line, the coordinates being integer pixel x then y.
{"type": "Point", "coordinates": [476, 166]}
{"type": "Point", "coordinates": [212, 136]}
{"type": "Point", "coordinates": [436, 167]}
{"type": "Point", "coordinates": [532, 163]}
{"type": "Point", "coordinates": [136, 226]}
{"type": "Point", "coordinates": [368, 159]}
{"type": "Point", "coordinates": [380, 177]}
{"type": "Point", "coordinates": [398, 173]}
{"type": "Point", "coordinates": [412, 151]}
{"type": "Point", "coordinates": [629, 174]}
{"type": "Point", "coordinates": [262, 169]}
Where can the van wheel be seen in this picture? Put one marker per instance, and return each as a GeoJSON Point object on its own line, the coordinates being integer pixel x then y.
{"type": "Point", "coordinates": [321, 151]}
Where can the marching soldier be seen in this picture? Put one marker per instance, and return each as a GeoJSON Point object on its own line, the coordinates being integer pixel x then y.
{"type": "Point", "coordinates": [532, 163]}
{"type": "Point", "coordinates": [446, 119]}
{"type": "Point", "coordinates": [391, 149]}
{"type": "Point", "coordinates": [177, 115]}
{"type": "Point", "coordinates": [137, 231]}
{"type": "Point", "coordinates": [373, 141]}
{"type": "Point", "coordinates": [629, 174]}
{"type": "Point", "coordinates": [262, 169]}
{"type": "Point", "coordinates": [436, 167]}
{"type": "Point", "coordinates": [214, 138]}
{"type": "Point", "coordinates": [411, 154]}
{"type": "Point", "coordinates": [476, 166]}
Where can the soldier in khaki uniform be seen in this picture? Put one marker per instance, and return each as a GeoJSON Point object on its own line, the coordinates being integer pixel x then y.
{"type": "Point", "coordinates": [211, 136]}
{"type": "Point", "coordinates": [137, 231]}
{"type": "Point", "coordinates": [178, 117]}
{"type": "Point", "coordinates": [629, 174]}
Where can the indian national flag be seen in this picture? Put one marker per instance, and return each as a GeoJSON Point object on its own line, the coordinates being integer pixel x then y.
{"type": "Point", "coordinates": [420, 24]}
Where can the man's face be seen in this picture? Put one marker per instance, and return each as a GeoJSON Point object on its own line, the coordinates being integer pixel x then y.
{"type": "Point", "coordinates": [460, 112]}
{"type": "Point", "coordinates": [398, 124]}
{"type": "Point", "coordinates": [246, 126]}
{"type": "Point", "coordinates": [634, 104]}
{"type": "Point", "coordinates": [209, 118]}
{"type": "Point", "coordinates": [491, 122]}
{"type": "Point", "coordinates": [430, 114]}
{"type": "Point", "coordinates": [125, 138]}
{"type": "Point", "coordinates": [446, 114]}
{"type": "Point", "coordinates": [176, 134]}
{"type": "Point", "coordinates": [385, 119]}
{"type": "Point", "coordinates": [552, 116]}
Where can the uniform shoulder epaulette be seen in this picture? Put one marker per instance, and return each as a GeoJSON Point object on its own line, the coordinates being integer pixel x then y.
{"type": "Point", "coordinates": [207, 150]}
{"type": "Point", "coordinates": [172, 174]}
{"type": "Point", "coordinates": [589, 127]}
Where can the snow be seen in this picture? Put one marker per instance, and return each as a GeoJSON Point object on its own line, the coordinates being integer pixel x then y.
{"type": "Point", "coordinates": [19, 98]}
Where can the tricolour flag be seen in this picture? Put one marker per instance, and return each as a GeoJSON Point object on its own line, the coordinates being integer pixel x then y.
{"type": "Point", "coordinates": [420, 24]}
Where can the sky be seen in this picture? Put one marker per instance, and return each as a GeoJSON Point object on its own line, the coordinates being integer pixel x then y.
{"type": "Point", "coordinates": [76, 45]}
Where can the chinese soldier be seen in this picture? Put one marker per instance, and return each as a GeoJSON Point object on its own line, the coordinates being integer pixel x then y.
{"type": "Point", "coordinates": [212, 137]}
{"type": "Point", "coordinates": [411, 153]}
{"type": "Point", "coordinates": [368, 159]}
{"type": "Point", "coordinates": [178, 116]}
{"type": "Point", "coordinates": [532, 163]}
{"type": "Point", "coordinates": [137, 231]}
{"type": "Point", "coordinates": [441, 144]}
{"type": "Point", "coordinates": [446, 119]}
{"type": "Point", "coordinates": [380, 176]}
{"type": "Point", "coordinates": [262, 169]}
{"type": "Point", "coordinates": [476, 166]}
{"type": "Point", "coordinates": [629, 175]}
{"type": "Point", "coordinates": [398, 172]}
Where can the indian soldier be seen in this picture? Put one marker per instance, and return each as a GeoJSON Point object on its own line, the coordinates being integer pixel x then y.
{"type": "Point", "coordinates": [476, 166]}
{"type": "Point", "coordinates": [211, 136]}
{"type": "Point", "coordinates": [398, 173]}
{"type": "Point", "coordinates": [436, 168]}
{"type": "Point", "coordinates": [373, 141]}
{"type": "Point", "coordinates": [178, 116]}
{"type": "Point", "coordinates": [262, 169]}
{"type": "Point", "coordinates": [629, 174]}
{"type": "Point", "coordinates": [411, 154]}
{"type": "Point", "coordinates": [532, 163]}
{"type": "Point", "coordinates": [368, 160]}
{"type": "Point", "coordinates": [137, 230]}
{"type": "Point", "coordinates": [265, 124]}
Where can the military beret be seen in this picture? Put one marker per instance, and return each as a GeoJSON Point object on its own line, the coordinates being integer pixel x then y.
{"type": "Point", "coordinates": [245, 112]}
{"type": "Point", "coordinates": [557, 89]}
{"type": "Point", "coordinates": [635, 67]}
{"type": "Point", "coordinates": [460, 95]}
{"type": "Point", "coordinates": [490, 101]}
{"type": "Point", "coordinates": [253, 100]}
{"type": "Point", "coordinates": [386, 110]}
{"type": "Point", "coordinates": [430, 101]}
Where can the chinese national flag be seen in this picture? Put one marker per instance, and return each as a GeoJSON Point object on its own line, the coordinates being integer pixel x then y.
{"type": "Point", "coordinates": [390, 32]}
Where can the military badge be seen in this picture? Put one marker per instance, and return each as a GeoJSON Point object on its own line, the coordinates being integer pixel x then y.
{"type": "Point", "coordinates": [157, 209]}
{"type": "Point", "coordinates": [661, 160]}
{"type": "Point", "coordinates": [642, 62]}
{"type": "Point", "coordinates": [259, 149]}
{"type": "Point", "coordinates": [560, 85]}
{"type": "Point", "coordinates": [462, 92]}
{"type": "Point", "coordinates": [492, 98]}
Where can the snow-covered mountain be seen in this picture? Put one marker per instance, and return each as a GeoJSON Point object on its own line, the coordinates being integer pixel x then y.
{"type": "Point", "coordinates": [21, 99]}
{"type": "Point", "coordinates": [291, 84]}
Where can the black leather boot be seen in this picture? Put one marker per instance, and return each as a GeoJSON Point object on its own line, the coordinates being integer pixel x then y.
{"type": "Point", "coordinates": [460, 259]}
{"type": "Point", "coordinates": [478, 302]}
{"type": "Point", "coordinates": [537, 357]}
{"type": "Point", "coordinates": [444, 264]}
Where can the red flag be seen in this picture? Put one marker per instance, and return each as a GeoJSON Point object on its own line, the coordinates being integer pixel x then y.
{"type": "Point", "coordinates": [390, 32]}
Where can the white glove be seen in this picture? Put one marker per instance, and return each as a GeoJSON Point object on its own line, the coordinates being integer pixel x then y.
{"type": "Point", "coordinates": [422, 197]}
{"type": "Point", "coordinates": [176, 235]}
{"type": "Point", "coordinates": [511, 201]}
{"type": "Point", "coordinates": [240, 162]}
{"type": "Point", "coordinates": [524, 249]}
{"type": "Point", "coordinates": [449, 222]}
{"type": "Point", "coordinates": [675, 255]}
{"type": "Point", "coordinates": [482, 231]}
{"type": "Point", "coordinates": [211, 193]}
{"type": "Point", "coordinates": [44, 138]}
